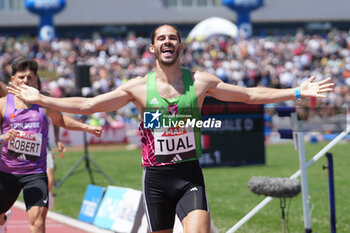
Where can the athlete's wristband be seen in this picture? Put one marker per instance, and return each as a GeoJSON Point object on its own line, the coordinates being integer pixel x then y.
{"type": "Point", "coordinates": [2, 138]}
{"type": "Point", "coordinates": [297, 93]}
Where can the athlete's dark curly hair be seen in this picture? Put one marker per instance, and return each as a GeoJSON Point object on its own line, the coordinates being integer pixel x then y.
{"type": "Point", "coordinates": [154, 32]}
{"type": "Point", "coordinates": [22, 64]}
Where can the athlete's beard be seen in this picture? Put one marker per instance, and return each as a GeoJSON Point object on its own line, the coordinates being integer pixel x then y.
{"type": "Point", "coordinates": [167, 63]}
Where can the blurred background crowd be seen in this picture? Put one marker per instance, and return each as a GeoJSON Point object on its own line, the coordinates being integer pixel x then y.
{"type": "Point", "coordinates": [279, 62]}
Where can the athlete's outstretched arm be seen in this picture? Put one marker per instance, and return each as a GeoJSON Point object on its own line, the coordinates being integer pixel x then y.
{"type": "Point", "coordinates": [70, 123]}
{"type": "Point", "coordinates": [102, 103]}
{"type": "Point", "coordinates": [264, 95]}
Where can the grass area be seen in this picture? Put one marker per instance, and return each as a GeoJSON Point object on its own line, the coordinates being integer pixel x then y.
{"type": "Point", "coordinates": [227, 191]}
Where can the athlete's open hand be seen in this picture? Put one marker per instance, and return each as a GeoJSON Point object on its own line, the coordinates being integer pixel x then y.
{"type": "Point", "coordinates": [10, 135]}
{"type": "Point", "coordinates": [308, 88]}
{"type": "Point", "coordinates": [25, 93]}
{"type": "Point", "coordinates": [96, 130]}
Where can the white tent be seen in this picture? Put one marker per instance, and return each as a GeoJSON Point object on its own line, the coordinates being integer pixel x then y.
{"type": "Point", "coordinates": [212, 26]}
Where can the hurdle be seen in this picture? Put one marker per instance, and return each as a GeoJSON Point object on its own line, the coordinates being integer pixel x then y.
{"type": "Point", "coordinates": [331, 195]}
{"type": "Point", "coordinates": [314, 159]}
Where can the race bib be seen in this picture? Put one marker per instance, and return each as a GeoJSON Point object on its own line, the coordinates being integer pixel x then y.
{"type": "Point", "coordinates": [26, 143]}
{"type": "Point", "coordinates": [174, 144]}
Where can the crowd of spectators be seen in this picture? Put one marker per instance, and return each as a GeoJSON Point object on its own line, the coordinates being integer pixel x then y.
{"type": "Point", "coordinates": [278, 62]}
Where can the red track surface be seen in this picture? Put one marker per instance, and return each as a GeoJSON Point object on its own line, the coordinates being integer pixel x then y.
{"type": "Point", "coordinates": [18, 223]}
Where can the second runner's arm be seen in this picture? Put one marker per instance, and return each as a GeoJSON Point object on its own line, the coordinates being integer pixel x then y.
{"type": "Point", "coordinates": [70, 123]}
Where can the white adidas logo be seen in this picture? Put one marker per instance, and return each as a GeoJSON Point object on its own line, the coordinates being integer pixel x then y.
{"type": "Point", "coordinates": [154, 101]}
{"type": "Point", "coordinates": [176, 158]}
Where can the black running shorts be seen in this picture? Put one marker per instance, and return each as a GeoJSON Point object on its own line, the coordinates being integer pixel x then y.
{"type": "Point", "coordinates": [35, 190]}
{"type": "Point", "coordinates": [177, 188]}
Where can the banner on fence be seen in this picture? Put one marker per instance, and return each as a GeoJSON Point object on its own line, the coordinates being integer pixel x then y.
{"type": "Point", "coordinates": [92, 199]}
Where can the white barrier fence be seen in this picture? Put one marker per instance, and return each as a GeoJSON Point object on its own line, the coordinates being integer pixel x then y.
{"type": "Point", "coordinates": [264, 202]}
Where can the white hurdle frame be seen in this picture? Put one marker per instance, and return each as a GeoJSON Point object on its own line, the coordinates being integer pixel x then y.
{"type": "Point", "coordinates": [264, 202]}
{"type": "Point", "coordinates": [298, 138]}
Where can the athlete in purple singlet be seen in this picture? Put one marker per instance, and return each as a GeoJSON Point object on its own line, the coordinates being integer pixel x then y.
{"type": "Point", "coordinates": [24, 141]}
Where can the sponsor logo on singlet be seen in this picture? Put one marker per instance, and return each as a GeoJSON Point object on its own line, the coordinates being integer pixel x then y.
{"type": "Point", "coordinates": [154, 101]}
{"type": "Point", "coordinates": [25, 125]}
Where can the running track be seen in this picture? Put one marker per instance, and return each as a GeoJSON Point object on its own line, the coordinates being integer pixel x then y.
{"type": "Point", "coordinates": [55, 223]}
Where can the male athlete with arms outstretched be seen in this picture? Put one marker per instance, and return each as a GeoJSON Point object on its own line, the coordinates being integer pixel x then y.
{"type": "Point", "coordinates": [172, 184]}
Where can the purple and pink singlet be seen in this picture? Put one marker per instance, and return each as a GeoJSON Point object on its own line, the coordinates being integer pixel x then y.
{"type": "Point", "coordinates": [27, 153]}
